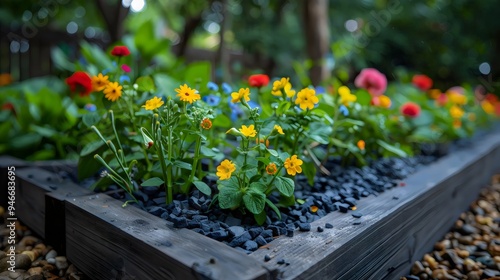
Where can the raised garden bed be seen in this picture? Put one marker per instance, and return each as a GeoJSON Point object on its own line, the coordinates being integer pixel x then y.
{"type": "Point", "coordinates": [105, 240]}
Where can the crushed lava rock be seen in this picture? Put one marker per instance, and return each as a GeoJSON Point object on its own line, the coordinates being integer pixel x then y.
{"type": "Point", "coordinates": [471, 250]}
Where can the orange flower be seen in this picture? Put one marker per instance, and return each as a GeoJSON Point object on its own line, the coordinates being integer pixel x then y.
{"type": "Point", "coordinates": [361, 144]}
{"type": "Point", "coordinates": [314, 208]}
{"type": "Point", "coordinates": [206, 123]}
{"type": "Point", "coordinates": [271, 169]}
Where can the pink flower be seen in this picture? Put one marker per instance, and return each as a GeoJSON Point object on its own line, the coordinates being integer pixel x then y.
{"type": "Point", "coordinates": [371, 80]}
{"type": "Point", "coordinates": [126, 68]}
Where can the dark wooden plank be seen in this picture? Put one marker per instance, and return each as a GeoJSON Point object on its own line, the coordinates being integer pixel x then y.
{"type": "Point", "coordinates": [106, 241]}
{"type": "Point", "coordinates": [5, 163]}
{"type": "Point", "coordinates": [30, 197]}
{"type": "Point", "coordinates": [55, 213]}
{"type": "Point", "coordinates": [393, 232]}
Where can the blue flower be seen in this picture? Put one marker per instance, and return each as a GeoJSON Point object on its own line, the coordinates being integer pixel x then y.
{"type": "Point", "coordinates": [226, 88]}
{"type": "Point", "coordinates": [124, 78]}
{"type": "Point", "coordinates": [90, 107]}
{"type": "Point", "coordinates": [236, 112]}
{"type": "Point", "coordinates": [211, 99]}
{"type": "Point", "coordinates": [343, 109]}
{"type": "Point", "coordinates": [212, 86]}
{"type": "Point", "coordinates": [254, 104]}
{"type": "Point", "coordinates": [320, 90]}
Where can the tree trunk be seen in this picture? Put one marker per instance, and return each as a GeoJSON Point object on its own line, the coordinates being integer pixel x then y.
{"type": "Point", "coordinates": [317, 35]}
{"type": "Point", "coordinates": [113, 15]}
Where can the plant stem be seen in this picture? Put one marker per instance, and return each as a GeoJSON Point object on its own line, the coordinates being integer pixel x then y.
{"type": "Point", "coordinates": [167, 171]}
{"type": "Point", "coordinates": [194, 167]}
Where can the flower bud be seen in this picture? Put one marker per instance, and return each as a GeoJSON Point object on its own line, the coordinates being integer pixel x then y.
{"type": "Point", "coordinates": [235, 132]}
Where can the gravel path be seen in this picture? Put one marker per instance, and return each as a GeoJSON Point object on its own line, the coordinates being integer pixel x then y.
{"type": "Point", "coordinates": [34, 260]}
{"type": "Point", "coordinates": [471, 250]}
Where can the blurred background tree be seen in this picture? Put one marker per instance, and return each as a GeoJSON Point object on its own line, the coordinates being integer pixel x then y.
{"type": "Point", "coordinates": [451, 41]}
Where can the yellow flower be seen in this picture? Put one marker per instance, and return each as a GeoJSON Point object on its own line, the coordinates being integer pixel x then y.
{"type": "Point", "coordinates": [225, 169]}
{"type": "Point", "coordinates": [488, 107]}
{"type": "Point", "coordinates": [384, 101]}
{"type": "Point", "coordinates": [242, 93]}
{"type": "Point", "coordinates": [292, 165]}
{"type": "Point", "coordinates": [112, 91]}
{"type": "Point", "coordinates": [99, 82]}
{"type": "Point", "coordinates": [279, 85]}
{"type": "Point", "coordinates": [153, 103]}
{"type": "Point", "coordinates": [279, 129]}
{"type": "Point", "coordinates": [361, 144]}
{"type": "Point", "coordinates": [345, 95]}
{"type": "Point", "coordinates": [306, 99]}
{"type": "Point", "coordinates": [456, 98]}
{"type": "Point", "coordinates": [248, 131]}
{"type": "Point", "coordinates": [456, 112]}
{"type": "Point", "coordinates": [187, 94]}
{"type": "Point", "coordinates": [206, 123]}
{"type": "Point", "coordinates": [290, 93]}
{"type": "Point", "coordinates": [271, 169]}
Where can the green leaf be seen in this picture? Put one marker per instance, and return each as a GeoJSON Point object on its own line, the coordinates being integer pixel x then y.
{"type": "Point", "coordinates": [230, 196]}
{"type": "Point", "coordinates": [393, 149]}
{"type": "Point", "coordinates": [285, 185]}
{"type": "Point", "coordinates": [254, 200]}
{"type": "Point", "coordinates": [363, 97]}
{"type": "Point", "coordinates": [260, 218]}
{"type": "Point", "coordinates": [283, 107]}
{"type": "Point", "coordinates": [264, 160]}
{"type": "Point", "coordinates": [91, 119]}
{"type": "Point", "coordinates": [43, 131]}
{"type": "Point", "coordinates": [145, 83]}
{"type": "Point", "coordinates": [273, 152]}
{"type": "Point", "coordinates": [258, 186]}
{"type": "Point", "coordinates": [207, 152]}
{"type": "Point", "coordinates": [272, 206]}
{"type": "Point", "coordinates": [202, 187]}
{"type": "Point", "coordinates": [91, 148]}
{"type": "Point", "coordinates": [221, 121]}
{"type": "Point", "coordinates": [61, 61]}
{"type": "Point", "coordinates": [152, 182]}
{"type": "Point", "coordinates": [183, 165]}
{"type": "Point", "coordinates": [198, 73]}
{"type": "Point", "coordinates": [309, 170]}
{"type": "Point", "coordinates": [336, 142]}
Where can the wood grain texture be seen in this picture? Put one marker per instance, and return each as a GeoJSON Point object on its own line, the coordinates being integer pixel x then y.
{"type": "Point", "coordinates": [393, 232]}
{"type": "Point", "coordinates": [107, 241]}
{"type": "Point", "coordinates": [55, 211]}
{"type": "Point", "coordinates": [30, 197]}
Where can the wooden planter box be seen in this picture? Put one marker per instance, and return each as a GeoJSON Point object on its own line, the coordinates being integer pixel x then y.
{"type": "Point", "coordinates": [107, 241]}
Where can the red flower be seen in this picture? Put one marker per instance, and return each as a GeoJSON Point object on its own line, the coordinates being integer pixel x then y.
{"type": "Point", "coordinates": [80, 82]}
{"type": "Point", "coordinates": [493, 99]}
{"type": "Point", "coordinates": [410, 109]}
{"type": "Point", "coordinates": [442, 99]}
{"type": "Point", "coordinates": [422, 82]}
{"type": "Point", "coordinates": [371, 80]}
{"type": "Point", "coordinates": [9, 107]}
{"type": "Point", "coordinates": [258, 80]}
{"type": "Point", "coordinates": [120, 51]}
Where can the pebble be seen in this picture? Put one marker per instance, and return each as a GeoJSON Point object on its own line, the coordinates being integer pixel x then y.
{"type": "Point", "coordinates": [320, 229]}
{"type": "Point", "coordinates": [471, 250]}
{"type": "Point", "coordinates": [51, 254]}
{"type": "Point", "coordinates": [328, 225]}
{"type": "Point", "coordinates": [61, 262]}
